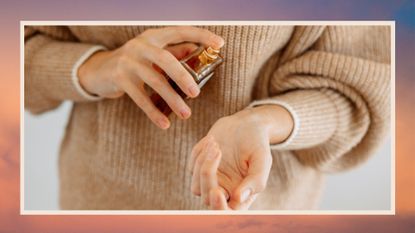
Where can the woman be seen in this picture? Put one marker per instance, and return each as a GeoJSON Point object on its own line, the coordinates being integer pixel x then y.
{"type": "Point", "coordinates": [288, 105]}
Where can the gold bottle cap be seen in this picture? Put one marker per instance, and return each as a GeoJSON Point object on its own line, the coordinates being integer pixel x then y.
{"type": "Point", "coordinates": [208, 55]}
{"type": "Point", "coordinates": [211, 50]}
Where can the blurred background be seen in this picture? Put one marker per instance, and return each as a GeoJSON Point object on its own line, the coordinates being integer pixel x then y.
{"type": "Point", "coordinates": [367, 187]}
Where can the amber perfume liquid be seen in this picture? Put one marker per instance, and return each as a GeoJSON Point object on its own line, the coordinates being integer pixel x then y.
{"type": "Point", "coordinates": [200, 64]}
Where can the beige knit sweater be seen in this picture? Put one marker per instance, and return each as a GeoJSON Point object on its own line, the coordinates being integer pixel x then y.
{"type": "Point", "coordinates": [335, 81]}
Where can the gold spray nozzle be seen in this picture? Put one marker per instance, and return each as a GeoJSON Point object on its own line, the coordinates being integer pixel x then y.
{"type": "Point", "coordinates": [208, 55]}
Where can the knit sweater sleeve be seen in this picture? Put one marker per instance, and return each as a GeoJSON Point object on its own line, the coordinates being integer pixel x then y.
{"type": "Point", "coordinates": [335, 82]}
{"type": "Point", "coordinates": [51, 60]}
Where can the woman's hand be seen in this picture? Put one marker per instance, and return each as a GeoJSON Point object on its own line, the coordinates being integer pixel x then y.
{"type": "Point", "coordinates": [232, 163]}
{"type": "Point", "coordinates": [110, 74]}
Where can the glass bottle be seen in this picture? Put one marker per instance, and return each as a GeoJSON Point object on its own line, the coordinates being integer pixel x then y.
{"type": "Point", "coordinates": [201, 64]}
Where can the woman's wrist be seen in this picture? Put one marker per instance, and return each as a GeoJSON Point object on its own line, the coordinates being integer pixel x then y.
{"type": "Point", "coordinates": [86, 71]}
{"type": "Point", "coordinates": [275, 120]}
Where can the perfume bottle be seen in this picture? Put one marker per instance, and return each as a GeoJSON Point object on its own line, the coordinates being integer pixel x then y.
{"type": "Point", "coordinates": [201, 64]}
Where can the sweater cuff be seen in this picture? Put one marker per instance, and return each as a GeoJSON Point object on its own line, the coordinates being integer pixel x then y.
{"type": "Point", "coordinates": [75, 79]}
{"type": "Point", "coordinates": [314, 116]}
{"type": "Point", "coordinates": [52, 68]}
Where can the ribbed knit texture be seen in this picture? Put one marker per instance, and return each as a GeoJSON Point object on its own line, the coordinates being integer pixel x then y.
{"type": "Point", "coordinates": [335, 81]}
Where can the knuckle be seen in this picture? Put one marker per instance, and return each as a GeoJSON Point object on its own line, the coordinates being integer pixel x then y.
{"type": "Point", "coordinates": [135, 46]}
{"type": "Point", "coordinates": [128, 45]}
{"type": "Point", "coordinates": [131, 45]}
{"type": "Point", "coordinates": [179, 31]}
{"type": "Point", "coordinates": [156, 83]}
{"type": "Point", "coordinates": [164, 56]}
{"type": "Point", "coordinates": [205, 172]}
{"type": "Point", "coordinates": [147, 33]}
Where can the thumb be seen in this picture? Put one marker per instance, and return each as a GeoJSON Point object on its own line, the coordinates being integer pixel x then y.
{"type": "Point", "coordinates": [257, 177]}
{"type": "Point", "coordinates": [217, 199]}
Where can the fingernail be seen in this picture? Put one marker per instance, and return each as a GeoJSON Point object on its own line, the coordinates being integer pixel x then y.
{"type": "Point", "coordinates": [194, 91]}
{"type": "Point", "coordinates": [221, 42]}
{"type": "Point", "coordinates": [163, 123]}
{"type": "Point", "coordinates": [185, 113]}
{"type": "Point", "coordinates": [245, 195]}
{"type": "Point", "coordinates": [212, 154]}
{"type": "Point", "coordinates": [227, 196]}
{"type": "Point", "coordinates": [225, 193]}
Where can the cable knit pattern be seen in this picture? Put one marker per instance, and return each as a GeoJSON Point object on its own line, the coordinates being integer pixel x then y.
{"type": "Point", "coordinates": [335, 81]}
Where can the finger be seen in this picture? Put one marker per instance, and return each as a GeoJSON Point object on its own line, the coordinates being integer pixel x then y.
{"type": "Point", "coordinates": [256, 179]}
{"type": "Point", "coordinates": [208, 172]}
{"type": "Point", "coordinates": [181, 50]}
{"type": "Point", "coordinates": [139, 96]}
{"type": "Point", "coordinates": [234, 205]}
{"type": "Point", "coordinates": [223, 182]}
{"type": "Point", "coordinates": [195, 186]}
{"type": "Point", "coordinates": [160, 85]}
{"type": "Point", "coordinates": [196, 151]}
{"type": "Point", "coordinates": [217, 200]}
{"type": "Point", "coordinates": [169, 64]}
{"type": "Point", "coordinates": [175, 35]}
{"type": "Point", "coordinates": [224, 191]}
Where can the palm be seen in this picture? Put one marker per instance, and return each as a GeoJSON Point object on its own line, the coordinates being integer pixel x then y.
{"type": "Point", "coordinates": [241, 145]}
{"type": "Point", "coordinates": [234, 159]}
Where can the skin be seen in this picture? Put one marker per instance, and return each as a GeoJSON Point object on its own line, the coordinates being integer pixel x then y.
{"type": "Point", "coordinates": [111, 74]}
{"type": "Point", "coordinates": [230, 166]}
